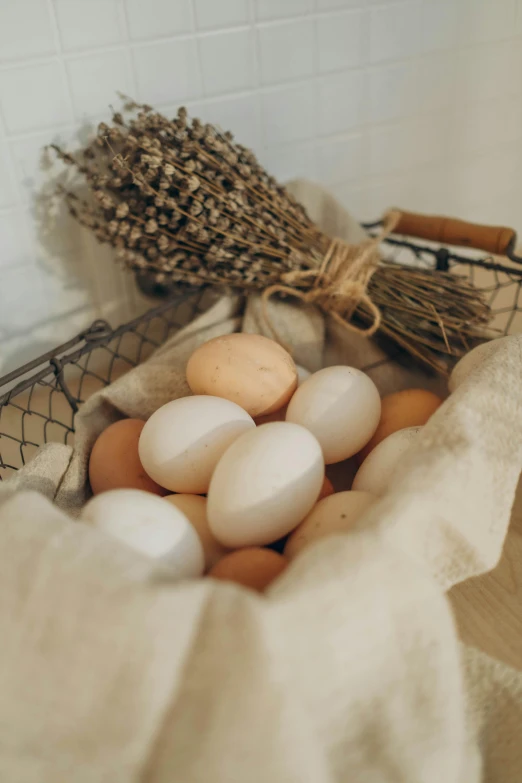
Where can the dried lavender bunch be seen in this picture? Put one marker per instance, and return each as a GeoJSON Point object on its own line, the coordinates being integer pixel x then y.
{"type": "Point", "coordinates": [184, 202]}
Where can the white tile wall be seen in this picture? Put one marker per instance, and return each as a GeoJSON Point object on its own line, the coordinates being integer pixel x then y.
{"type": "Point", "coordinates": [409, 102]}
{"type": "Point", "coordinates": [34, 96]}
{"type": "Point", "coordinates": [342, 40]}
{"type": "Point", "coordinates": [286, 50]}
{"type": "Point", "coordinates": [157, 18]}
{"type": "Point", "coordinates": [227, 61]}
{"type": "Point", "coordinates": [85, 70]}
{"type": "Point", "coordinates": [167, 71]}
{"type": "Point", "coordinates": [25, 35]}
{"type": "Point", "coordinates": [396, 31]}
{"type": "Point", "coordinates": [227, 13]}
{"type": "Point", "coordinates": [86, 24]}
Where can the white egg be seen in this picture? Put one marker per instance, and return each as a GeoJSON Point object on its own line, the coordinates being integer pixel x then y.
{"type": "Point", "coordinates": [341, 406]}
{"type": "Point", "coordinates": [147, 524]}
{"type": "Point", "coordinates": [264, 485]}
{"type": "Point", "coordinates": [302, 374]}
{"type": "Point", "coordinates": [376, 473]}
{"type": "Point", "coordinates": [336, 513]}
{"type": "Point", "coordinates": [471, 360]}
{"type": "Point", "coordinates": [181, 443]}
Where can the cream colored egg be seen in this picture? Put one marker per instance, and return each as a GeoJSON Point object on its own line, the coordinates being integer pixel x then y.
{"type": "Point", "coordinates": [472, 360]}
{"type": "Point", "coordinates": [183, 440]}
{"type": "Point", "coordinates": [195, 509]}
{"type": "Point", "coordinates": [145, 523]}
{"type": "Point", "coordinates": [333, 514]}
{"type": "Point", "coordinates": [341, 406]}
{"type": "Point", "coordinates": [376, 473]}
{"type": "Point", "coordinates": [249, 369]}
{"type": "Point", "coordinates": [280, 414]}
{"type": "Point", "coordinates": [264, 485]}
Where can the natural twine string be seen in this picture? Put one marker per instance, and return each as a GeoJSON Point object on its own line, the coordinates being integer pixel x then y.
{"type": "Point", "coordinates": [340, 284]}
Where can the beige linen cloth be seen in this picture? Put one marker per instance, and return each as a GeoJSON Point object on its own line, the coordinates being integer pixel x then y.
{"type": "Point", "coordinates": [350, 669]}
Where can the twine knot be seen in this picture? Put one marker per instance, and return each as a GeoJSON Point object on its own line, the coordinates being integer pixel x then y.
{"type": "Point", "coordinates": [340, 284]}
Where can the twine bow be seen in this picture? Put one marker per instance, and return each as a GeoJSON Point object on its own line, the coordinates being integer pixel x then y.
{"type": "Point", "coordinates": [340, 284]}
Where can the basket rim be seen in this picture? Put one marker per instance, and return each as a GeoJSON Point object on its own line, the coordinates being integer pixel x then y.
{"type": "Point", "coordinates": [98, 334]}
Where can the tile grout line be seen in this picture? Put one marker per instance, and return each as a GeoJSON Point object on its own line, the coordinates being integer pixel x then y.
{"type": "Point", "coordinates": [126, 278]}
{"type": "Point", "coordinates": [14, 63]}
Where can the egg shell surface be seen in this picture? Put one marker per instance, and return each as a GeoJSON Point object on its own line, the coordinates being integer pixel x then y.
{"type": "Point", "coordinates": [195, 509]}
{"type": "Point", "coordinates": [326, 489]}
{"type": "Point", "coordinates": [333, 514]}
{"type": "Point", "coordinates": [248, 369]}
{"type": "Point", "coordinates": [150, 526]}
{"type": "Point", "coordinates": [264, 485]}
{"type": "Point", "coordinates": [376, 473]}
{"type": "Point", "coordinates": [341, 406]}
{"type": "Point", "coordinates": [280, 415]}
{"type": "Point", "coordinates": [252, 567]}
{"type": "Point", "coordinates": [182, 442]}
{"type": "Point", "coordinates": [407, 408]}
{"type": "Point", "coordinates": [114, 462]}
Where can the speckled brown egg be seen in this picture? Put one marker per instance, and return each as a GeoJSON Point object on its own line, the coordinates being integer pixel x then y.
{"type": "Point", "coordinates": [334, 514]}
{"type": "Point", "coordinates": [248, 369]}
{"type": "Point", "coordinates": [114, 462]}
{"type": "Point", "coordinates": [403, 409]}
{"type": "Point", "coordinates": [253, 567]}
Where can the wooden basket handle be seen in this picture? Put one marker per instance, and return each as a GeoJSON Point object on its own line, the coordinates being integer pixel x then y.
{"type": "Point", "coordinates": [449, 231]}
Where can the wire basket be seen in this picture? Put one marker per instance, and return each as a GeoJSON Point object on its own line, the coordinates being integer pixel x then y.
{"type": "Point", "coordinates": [39, 401]}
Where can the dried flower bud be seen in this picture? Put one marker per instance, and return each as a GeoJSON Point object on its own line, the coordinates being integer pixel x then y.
{"type": "Point", "coordinates": [163, 243]}
{"type": "Point", "coordinates": [196, 208]}
{"type": "Point", "coordinates": [122, 210]}
{"type": "Point", "coordinates": [193, 183]}
{"type": "Point", "coordinates": [151, 226]}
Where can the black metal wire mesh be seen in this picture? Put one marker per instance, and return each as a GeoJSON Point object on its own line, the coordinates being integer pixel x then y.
{"type": "Point", "coordinates": [499, 282]}
{"type": "Point", "coordinates": [39, 401]}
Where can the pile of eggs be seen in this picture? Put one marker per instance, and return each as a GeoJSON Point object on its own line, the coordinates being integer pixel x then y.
{"type": "Point", "coordinates": [230, 481]}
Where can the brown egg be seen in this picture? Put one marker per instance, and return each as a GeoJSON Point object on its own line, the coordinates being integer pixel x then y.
{"type": "Point", "coordinates": [275, 416]}
{"type": "Point", "coordinates": [114, 462]}
{"type": "Point", "coordinates": [252, 567]}
{"type": "Point", "coordinates": [195, 509]}
{"type": "Point", "coordinates": [248, 369]}
{"type": "Point", "coordinates": [326, 489]}
{"type": "Point", "coordinates": [408, 408]}
{"type": "Point", "coordinates": [334, 514]}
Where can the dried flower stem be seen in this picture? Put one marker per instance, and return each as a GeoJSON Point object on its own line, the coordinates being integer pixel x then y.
{"type": "Point", "coordinates": [183, 202]}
